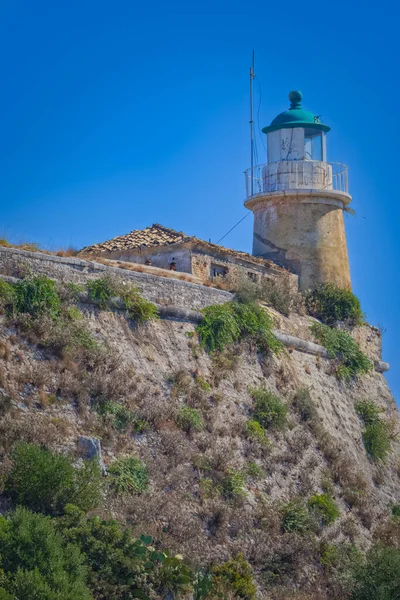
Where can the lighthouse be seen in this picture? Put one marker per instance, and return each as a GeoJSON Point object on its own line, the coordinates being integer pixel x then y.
{"type": "Point", "coordinates": [298, 199]}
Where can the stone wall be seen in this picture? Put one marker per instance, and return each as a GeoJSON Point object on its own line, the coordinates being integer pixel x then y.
{"type": "Point", "coordinates": [162, 290]}
{"type": "Point", "coordinates": [202, 267]}
{"type": "Point", "coordinates": [159, 257]}
{"type": "Point", "coordinates": [305, 233]}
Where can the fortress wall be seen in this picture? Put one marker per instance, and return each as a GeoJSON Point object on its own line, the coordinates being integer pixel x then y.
{"type": "Point", "coordinates": [171, 293]}
{"type": "Point", "coordinates": [158, 289]}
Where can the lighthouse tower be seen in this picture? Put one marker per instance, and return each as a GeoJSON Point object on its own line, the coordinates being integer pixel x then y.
{"type": "Point", "coordinates": [298, 199]}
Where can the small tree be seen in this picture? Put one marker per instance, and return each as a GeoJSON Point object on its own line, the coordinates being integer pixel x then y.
{"type": "Point", "coordinates": [379, 576]}
{"type": "Point", "coordinates": [46, 482]}
{"type": "Point", "coordinates": [37, 562]}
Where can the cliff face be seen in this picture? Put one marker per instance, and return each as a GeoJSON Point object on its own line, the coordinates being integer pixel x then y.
{"type": "Point", "coordinates": [191, 504]}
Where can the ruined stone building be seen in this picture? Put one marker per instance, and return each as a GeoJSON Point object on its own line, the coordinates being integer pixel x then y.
{"type": "Point", "coordinates": [298, 199]}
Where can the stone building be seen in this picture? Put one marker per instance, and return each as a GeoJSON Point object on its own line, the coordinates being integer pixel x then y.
{"type": "Point", "coordinates": [298, 199]}
{"type": "Point", "coordinates": [166, 248]}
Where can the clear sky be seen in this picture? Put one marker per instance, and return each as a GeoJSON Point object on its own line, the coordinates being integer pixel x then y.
{"type": "Point", "coordinates": [115, 115]}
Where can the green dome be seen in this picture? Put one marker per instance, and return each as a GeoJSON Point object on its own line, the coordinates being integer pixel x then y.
{"type": "Point", "coordinates": [296, 116]}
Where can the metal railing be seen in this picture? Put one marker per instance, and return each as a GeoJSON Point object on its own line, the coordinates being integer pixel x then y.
{"type": "Point", "coordinates": [296, 175]}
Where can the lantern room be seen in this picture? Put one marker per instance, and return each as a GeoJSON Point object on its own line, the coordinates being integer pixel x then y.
{"type": "Point", "coordinates": [296, 134]}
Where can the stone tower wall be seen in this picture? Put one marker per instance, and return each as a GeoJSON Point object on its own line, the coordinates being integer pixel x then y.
{"type": "Point", "coordinates": [304, 234]}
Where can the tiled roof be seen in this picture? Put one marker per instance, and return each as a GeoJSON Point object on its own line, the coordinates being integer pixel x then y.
{"type": "Point", "coordinates": [157, 235]}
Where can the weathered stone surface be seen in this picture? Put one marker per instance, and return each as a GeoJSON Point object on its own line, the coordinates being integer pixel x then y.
{"type": "Point", "coordinates": [161, 290]}
{"type": "Point", "coordinates": [90, 449]}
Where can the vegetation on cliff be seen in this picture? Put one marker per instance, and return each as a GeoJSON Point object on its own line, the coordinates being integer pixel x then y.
{"type": "Point", "coordinates": [215, 446]}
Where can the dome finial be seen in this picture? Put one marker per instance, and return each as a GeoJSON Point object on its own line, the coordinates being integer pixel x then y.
{"type": "Point", "coordinates": [295, 97]}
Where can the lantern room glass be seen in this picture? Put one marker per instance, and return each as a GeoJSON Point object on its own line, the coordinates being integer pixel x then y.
{"type": "Point", "coordinates": [314, 145]}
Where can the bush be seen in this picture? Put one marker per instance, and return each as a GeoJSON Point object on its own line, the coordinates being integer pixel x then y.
{"type": "Point", "coordinates": [46, 482]}
{"type": "Point", "coordinates": [37, 296]}
{"type": "Point", "coordinates": [369, 411]}
{"type": "Point", "coordinates": [331, 304]}
{"type": "Point", "coordinates": [255, 432]}
{"type": "Point", "coordinates": [203, 384]}
{"type": "Point", "coordinates": [340, 345]}
{"type": "Point", "coordinates": [225, 324]}
{"type": "Point", "coordinates": [7, 294]}
{"type": "Point", "coordinates": [235, 575]}
{"type": "Point", "coordinates": [101, 290]}
{"type": "Point", "coordinates": [324, 508]}
{"type": "Point", "coordinates": [269, 410]}
{"type": "Point", "coordinates": [377, 434]}
{"type": "Point", "coordinates": [37, 562]}
{"type": "Point", "coordinates": [233, 485]}
{"type": "Point", "coordinates": [68, 337]}
{"type": "Point", "coordinates": [129, 475]}
{"type": "Point", "coordinates": [396, 511]}
{"type": "Point", "coordinates": [277, 293]}
{"type": "Point", "coordinates": [139, 309]}
{"type": "Point", "coordinates": [377, 440]}
{"type": "Point", "coordinates": [189, 419]}
{"type": "Point", "coordinates": [304, 405]}
{"type": "Point", "coordinates": [254, 471]}
{"type": "Point", "coordinates": [105, 288]}
{"type": "Point", "coordinates": [379, 576]}
{"type": "Point", "coordinates": [295, 517]}
{"type": "Point", "coordinates": [123, 417]}
{"type": "Point", "coordinates": [122, 567]}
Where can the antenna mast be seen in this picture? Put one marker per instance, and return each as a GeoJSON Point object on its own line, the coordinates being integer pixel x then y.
{"type": "Point", "coordinates": [251, 125]}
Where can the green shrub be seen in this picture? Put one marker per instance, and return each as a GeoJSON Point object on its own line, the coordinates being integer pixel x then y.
{"type": "Point", "coordinates": [255, 432]}
{"type": "Point", "coordinates": [295, 517]}
{"type": "Point", "coordinates": [304, 405]}
{"type": "Point", "coordinates": [225, 324]}
{"type": "Point", "coordinates": [139, 309]}
{"type": "Point", "coordinates": [37, 296]}
{"type": "Point", "coordinates": [105, 288]}
{"type": "Point", "coordinates": [254, 471]}
{"type": "Point", "coordinates": [129, 475]}
{"type": "Point", "coordinates": [122, 567]}
{"type": "Point", "coordinates": [219, 327]}
{"type": "Point", "coordinates": [269, 410]}
{"type": "Point", "coordinates": [324, 508]}
{"type": "Point", "coordinates": [396, 511]}
{"type": "Point", "coordinates": [341, 346]}
{"type": "Point", "coordinates": [377, 434]}
{"type": "Point", "coordinates": [46, 482]}
{"type": "Point", "coordinates": [379, 577]}
{"type": "Point", "coordinates": [7, 294]}
{"type": "Point", "coordinates": [233, 485]}
{"type": "Point", "coordinates": [235, 575]}
{"type": "Point", "coordinates": [203, 384]}
{"type": "Point", "coordinates": [377, 440]}
{"type": "Point", "coordinates": [189, 419]}
{"type": "Point", "coordinates": [37, 562]}
{"type": "Point", "coordinates": [331, 304]}
{"type": "Point", "coordinates": [207, 488]}
{"type": "Point", "coordinates": [72, 313]}
{"type": "Point", "coordinates": [124, 418]}
{"type": "Point", "coordinates": [369, 411]}
{"type": "Point", "coordinates": [101, 290]}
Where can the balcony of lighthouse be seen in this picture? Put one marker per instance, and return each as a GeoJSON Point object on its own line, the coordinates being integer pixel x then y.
{"type": "Point", "coordinates": [298, 177]}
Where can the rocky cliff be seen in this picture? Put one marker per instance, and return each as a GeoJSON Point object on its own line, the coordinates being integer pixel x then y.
{"type": "Point", "coordinates": [216, 488]}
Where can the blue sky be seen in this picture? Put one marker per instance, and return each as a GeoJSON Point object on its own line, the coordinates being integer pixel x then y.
{"type": "Point", "coordinates": [113, 117]}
